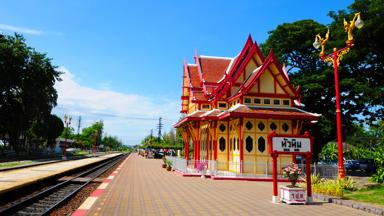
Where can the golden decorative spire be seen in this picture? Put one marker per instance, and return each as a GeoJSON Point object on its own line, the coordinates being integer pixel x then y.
{"type": "Point", "coordinates": [348, 27]}
{"type": "Point", "coordinates": [319, 41]}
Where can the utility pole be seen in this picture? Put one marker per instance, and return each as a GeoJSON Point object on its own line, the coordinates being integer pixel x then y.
{"type": "Point", "coordinates": [159, 127]}
{"type": "Point", "coordinates": [151, 133]}
{"type": "Point", "coordinates": [78, 128]}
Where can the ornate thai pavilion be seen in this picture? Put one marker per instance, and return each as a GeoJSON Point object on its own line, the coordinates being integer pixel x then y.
{"type": "Point", "coordinates": [231, 104]}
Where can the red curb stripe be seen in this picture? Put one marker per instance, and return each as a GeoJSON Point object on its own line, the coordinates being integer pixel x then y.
{"type": "Point", "coordinates": [249, 179]}
{"type": "Point", "coordinates": [80, 212]}
{"type": "Point", "coordinates": [97, 192]}
{"type": "Point", "coordinates": [191, 174]}
{"type": "Point", "coordinates": [107, 180]}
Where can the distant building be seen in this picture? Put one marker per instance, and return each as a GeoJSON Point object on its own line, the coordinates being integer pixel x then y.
{"type": "Point", "coordinates": [60, 143]}
{"type": "Point", "coordinates": [231, 104]}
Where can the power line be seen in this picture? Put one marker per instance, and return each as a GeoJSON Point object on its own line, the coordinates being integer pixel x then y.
{"type": "Point", "coordinates": [119, 116]}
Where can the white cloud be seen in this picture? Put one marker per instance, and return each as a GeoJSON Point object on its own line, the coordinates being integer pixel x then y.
{"type": "Point", "coordinates": [18, 29]}
{"type": "Point", "coordinates": [128, 116]}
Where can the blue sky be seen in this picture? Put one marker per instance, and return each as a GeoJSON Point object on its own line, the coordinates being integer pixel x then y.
{"type": "Point", "coordinates": [123, 59]}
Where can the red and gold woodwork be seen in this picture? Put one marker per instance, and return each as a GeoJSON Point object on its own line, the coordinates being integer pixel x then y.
{"type": "Point", "coordinates": [230, 106]}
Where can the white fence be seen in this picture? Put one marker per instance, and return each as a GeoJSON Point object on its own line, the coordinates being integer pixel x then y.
{"type": "Point", "coordinates": [242, 169]}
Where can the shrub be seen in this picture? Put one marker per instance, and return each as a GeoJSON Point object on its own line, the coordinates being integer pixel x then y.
{"type": "Point", "coordinates": [378, 176]}
{"type": "Point", "coordinates": [332, 187]}
{"type": "Point", "coordinates": [347, 184]}
{"type": "Point", "coordinates": [169, 163]}
{"type": "Point", "coordinates": [316, 179]}
{"type": "Point", "coordinates": [379, 160]}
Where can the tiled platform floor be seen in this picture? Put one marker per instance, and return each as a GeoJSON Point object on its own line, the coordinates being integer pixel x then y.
{"type": "Point", "coordinates": [144, 188]}
{"type": "Point", "coordinates": [13, 179]}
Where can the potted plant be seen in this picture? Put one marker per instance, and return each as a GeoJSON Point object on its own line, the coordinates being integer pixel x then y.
{"type": "Point", "coordinates": [164, 164]}
{"type": "Point", "coordinates": [169, 165]}
{"type": "Point", "coordinates": [292, 172]}
{"type": "Point", "coordinates": [201, 169]}
{"type": "Point", "coordinates": [292, 193]}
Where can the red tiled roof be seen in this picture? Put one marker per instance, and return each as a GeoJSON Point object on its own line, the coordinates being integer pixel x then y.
{"type": "Point", "coordinates": [262, 112]}
{"type": "Point", "coordinates": [210, 89]}
{"type": "Point", "coordinates": [212, 68]}
{"type": "Point", "coordinates": [196, 114]}
{"type": "Point", "coordinates": [194, 76]}
{"type": "Point", "coordinates": [251, 112]}
{"type": "Point", "coordinates": [212, 114]}
{"type": "Point", "coordinates": [191, 117]}
{"type": "Point", "coordinates": [198, 96]}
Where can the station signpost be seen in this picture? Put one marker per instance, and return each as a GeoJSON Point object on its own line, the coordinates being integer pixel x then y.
{"type": "Point", "coordinates": [292, 145]}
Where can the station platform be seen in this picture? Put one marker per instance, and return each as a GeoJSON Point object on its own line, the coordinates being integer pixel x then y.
{"type": "Point", "coordinates": [141, 187]}
{"type": "Point", "coordinates": [13, 179]}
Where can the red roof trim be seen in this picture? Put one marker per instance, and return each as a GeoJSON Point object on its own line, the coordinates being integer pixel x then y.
{"type": "Point", "coordinates": [271, 59]}
{"type": "Point", "coordinates": [238, 60]}
{"type": "Point", "coordinates": [236, 72]}
{"type": "Point", "coordinates": [276, 62]}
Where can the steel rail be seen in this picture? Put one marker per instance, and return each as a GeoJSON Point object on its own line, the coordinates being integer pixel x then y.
{"type": "Point", "coordinates": [44, 202]}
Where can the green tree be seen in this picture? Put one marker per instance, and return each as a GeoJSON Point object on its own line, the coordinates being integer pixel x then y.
{"type": "Point", "coordinates": [361, 77]}
{"type": "Point", "coordinates": [169, 138]}
{"type": "Point", "coordinates": [92, 135]}
{"type": "Point", "coordinates": [27, 90]}
{"type": "Point", "coordinates": [377, 133]}
{"type": "Point", "coordinates": [111, 143]}
{"type": "Point", "coordinates": [49, 128]}
{"type": "Point", "coordinates": [329, 151]}
{"type": "Point", "coordinates": [378, 176]}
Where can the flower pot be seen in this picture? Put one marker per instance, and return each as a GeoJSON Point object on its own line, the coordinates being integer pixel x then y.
{"type": "Point", "coordinates": [293, 182]}
{"type": "Point", "coordinates": [203, 172]}
{"type": "Point", "coordinates": [294, 195]}
{"type": "Point", "coordinates": [169, 168]}
{"type": "Point", "coordinates": [164, 165]}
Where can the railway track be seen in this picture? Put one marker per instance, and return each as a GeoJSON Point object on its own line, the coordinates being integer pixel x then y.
{"type": "Point", "coordinates": [44, 202]}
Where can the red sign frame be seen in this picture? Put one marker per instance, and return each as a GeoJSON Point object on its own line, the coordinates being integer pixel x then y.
{"type": "Point", "coordinates": [274, 134]}
{"type": "Point", "coordinates": [275, 154]}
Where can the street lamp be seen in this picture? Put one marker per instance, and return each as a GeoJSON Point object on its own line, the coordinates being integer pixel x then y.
{"type": "Point", "coordinates": [334, 58]}
{"type": "Point", "coordinates": [67, 122]}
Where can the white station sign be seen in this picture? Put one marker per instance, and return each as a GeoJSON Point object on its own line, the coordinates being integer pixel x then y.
{"type": "Point", "coordinates": [291, 144]}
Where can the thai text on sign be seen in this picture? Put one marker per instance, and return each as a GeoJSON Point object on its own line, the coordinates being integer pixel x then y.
{"type": "Point", "coordinates": [291, 144]}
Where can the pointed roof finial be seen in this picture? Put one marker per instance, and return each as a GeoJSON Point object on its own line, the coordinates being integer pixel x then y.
{"type": "Point", "coordinates": [250, 37]}
{"type": "Point", "coordinates": [196, 56]}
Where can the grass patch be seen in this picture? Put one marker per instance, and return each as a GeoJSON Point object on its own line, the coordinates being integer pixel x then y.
{"type": "Point", "coordinates": [15, 163]}
{"type": "Point", "coordinates": [81, 153]}
{"type": "Point", "coordinates": [371, 195]}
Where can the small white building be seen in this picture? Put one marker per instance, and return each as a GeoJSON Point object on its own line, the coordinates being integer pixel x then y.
{"type": "Point", "coordinates": [60, 143]}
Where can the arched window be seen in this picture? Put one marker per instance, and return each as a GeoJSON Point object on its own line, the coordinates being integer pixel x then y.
{"type": "Point", "coordinates": [273, 126]}
{"type": "Point", "coordinates": [222, 144]}
{"type": "Point", "coordinates": [234, 144]}
{"type": "Point", "coordinates": [261, 144]}
{"type": "Point", "coordinates": [261, 126]}
{"type": "Point", "coordinates": [249, 125]}
{"type": "Point", "coordinates": [249, 144]}
{"type": "Point", "coordinates": [222, 127]}
{"type": "Point", "coordinates": [285, 127]}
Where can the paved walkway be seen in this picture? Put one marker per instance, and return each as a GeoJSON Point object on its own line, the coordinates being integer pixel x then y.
{"type": "Point", "coordinates": [12, 179]}
{"type": "Point", "coordinates": [142, 187]}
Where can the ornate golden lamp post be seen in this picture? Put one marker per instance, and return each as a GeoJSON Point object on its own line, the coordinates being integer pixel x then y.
{"type": "Point", "coordinates": [334, 58]}
{"type": "Point", "coordinates": [67, 122]}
